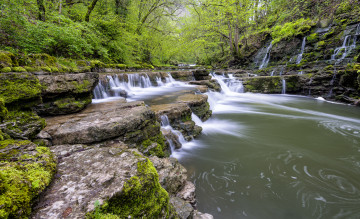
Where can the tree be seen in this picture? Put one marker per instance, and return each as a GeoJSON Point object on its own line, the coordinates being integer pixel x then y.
{"type": "Point", "coordinates": [41, 10]}
{"type": "Point", "coordinates": [90, 9]}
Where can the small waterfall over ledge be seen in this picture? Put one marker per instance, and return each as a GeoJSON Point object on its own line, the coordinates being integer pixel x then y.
{"type": "Point", "coordinates": [300, 56]}
{"type": "Point", "coordinates": [135, 85]}
{"type": "Point", "coordinates": [266, 58]}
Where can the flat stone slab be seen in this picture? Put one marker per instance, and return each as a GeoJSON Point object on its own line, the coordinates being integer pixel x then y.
{"type": "Point", "coordinates": [99, 122]}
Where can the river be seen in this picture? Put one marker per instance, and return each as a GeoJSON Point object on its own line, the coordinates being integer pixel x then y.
{"type": "Point", "coordinates": [276, 156]}
{"type": "Point", "coordinates": [269, 156]}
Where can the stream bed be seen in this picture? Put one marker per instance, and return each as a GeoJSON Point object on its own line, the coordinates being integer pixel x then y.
{"type": "Point", "coordinates": [276, 156]}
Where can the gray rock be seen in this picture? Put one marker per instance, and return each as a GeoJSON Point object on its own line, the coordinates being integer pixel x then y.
{"type": "Point", "coordinates": [183, 208]}
{"type": "Point", "coordinates": [90, 176]}
{"type": "Point", "coordinates": [172, 175]}
{"type": "Point", "coordinates": [188, 192]}
{"type": "Point", "coordinates": [199, 215]}
{"type": "Point", "coordinates": [129, 122]}
{"type": "Point", "coordinates": [198, 105]}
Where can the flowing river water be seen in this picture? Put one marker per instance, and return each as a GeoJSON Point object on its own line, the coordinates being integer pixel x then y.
{"type": "Point", "coordinates": [275, 156]}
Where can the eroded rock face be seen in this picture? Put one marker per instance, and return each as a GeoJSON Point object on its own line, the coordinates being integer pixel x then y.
{"type": "Point", "coordinates": [183, 75]}
{"type": "Point", "coordinates": [66, 93]}
{"type": "Point", "coordinates": [201, 75]}
{"type": "Point", "coordinates": [213, 85]}
{"type": "Point", "coordinates": [118, 181]}
{"type": "Point", "coordinates": [179, 115]}
{"type": "Point", "coordinates": [198, 105]}
{"type": "Point", "coordinates": [172, 175]}
{"type": "Point", "coordinates": [132, 123]}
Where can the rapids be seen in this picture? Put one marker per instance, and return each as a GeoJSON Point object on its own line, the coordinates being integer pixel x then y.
{"type": "Point", "coordinates": [271, 156]}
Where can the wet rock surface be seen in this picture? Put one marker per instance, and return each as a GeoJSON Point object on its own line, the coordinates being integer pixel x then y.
{"type": "Point", "coordinates": [212, 85]}
{"type": "Point", "coordinates": [179, 115]}
{"type": "Point", "coordinates": [198, 105]}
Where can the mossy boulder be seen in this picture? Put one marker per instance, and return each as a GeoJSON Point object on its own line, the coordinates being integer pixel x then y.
{"type": "Point", "coordinates": [198, 104]}
{"type": "Point", "coordinates": [201, 75]}
{"type": "Point", "coordinates": [22, 124]}
{"type": "Point", "coordinates": [25, 171]}
{"type": "Point", "coordinates": [3, 110]}
{"type": "Point", "coordinates": [7, 59]}
{"type": "Point", "coordinates": [16, 87]}
{"type": "Point", "coordinates": [18, 69]}
{"type": "Point", "coordinates": [63, 106]}
{"type": "Point", "coordinates": [104, 182]}
{"type": "Point", "coordinates": [263, 84]}
{"type": "Point", "coordinates": [213, 85]}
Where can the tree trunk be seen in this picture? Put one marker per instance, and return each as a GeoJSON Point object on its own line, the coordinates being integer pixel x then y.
{"type": "Point", "coordinates": [60, 6]}
{"type": "Point", "coordinates": [230, 38]}
{"type": "Point", "coordinates": [41, 10]}
{"type": "Point", "coordinates": [236, 39]}
{"type": "Point", "coordinates": [90, 9]}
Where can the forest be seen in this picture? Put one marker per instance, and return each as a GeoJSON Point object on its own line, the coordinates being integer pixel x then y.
{"type": "Point", "coordinates": [156, 33]}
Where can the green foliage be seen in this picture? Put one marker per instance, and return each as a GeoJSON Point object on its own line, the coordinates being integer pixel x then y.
{"type": "Point", "coordinates": [290, 29]}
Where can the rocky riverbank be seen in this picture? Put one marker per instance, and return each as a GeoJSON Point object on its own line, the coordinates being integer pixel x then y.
{"type": "Point", "coordinates": [101, 160]}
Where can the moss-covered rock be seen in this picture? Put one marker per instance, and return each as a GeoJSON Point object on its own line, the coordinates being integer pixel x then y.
{"type": "Point", "coordinates": [15, 87]}
{"type": "Point", "coordinates": [25, 171]}
{"type": "Point", "coordinates": [263, 84]}
{"type": "Point", "coordinates": [5, 70]}
{"type": "Point", "coordinates": [7, 59]}
{"type": "Point", "coordinates": [18, 69]}
{"type": "Point", "coordinates": [198, 104]}
{"type": "Point", "coordinates": [104, 182]}
{"type": "Point", "coordinates": [3, 110]}
{"type": "Point", "coordinates": [22, 124]}
{"type": "Point", "coordinates": [142, 196]}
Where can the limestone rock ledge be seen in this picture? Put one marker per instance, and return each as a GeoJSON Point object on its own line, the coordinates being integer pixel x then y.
{"type": "Point", "coordinates": [198, 105]}
{"type": "Point", "coordinates": [132, 123]}
{"type": "Point", "coordinates": [179, 115]}
{"type": "Point", "coordinates": [104, 181]}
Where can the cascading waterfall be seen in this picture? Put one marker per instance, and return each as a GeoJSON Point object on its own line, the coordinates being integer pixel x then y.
{"type": "Point", "coordinates": [300, 56]}
{"type": "Point", "coordinates": [116, 86]}
{"type": "Point", "coordinates": [283, 91]}
{"type": "Point", "coordinates": [266, 58]}
{"type": "Point", "coordinates": [346, 48]}
{"type": "Point", "coordinates": [165, 124]}
{"type": "Point", "coordinates": [272, 73]}
{"type": "Point", "coordinates": [229, 84]}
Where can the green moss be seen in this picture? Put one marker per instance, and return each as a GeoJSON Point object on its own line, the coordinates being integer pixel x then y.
{"type": "Point", "coordinates": [71, 102]}
{"type": "Point", "coordinates": [5, 59]}
{"type": "Point", "coordinates": [32, 69]}
{"type": "Point", "coordinates": [42, 59]}
{"type": "Point", "coordinates": [264, 85]}
{"type": "Point", "coordinates": [81, 87]}
{"type": "Point", "coordinates": [46, 69]}
{"type": "Point", "coordinates": [121, 66]}
{"type": "Point", "coordinates": [5, 70]}
{"type": "Point", "coordinates": [142, 197]}
{"type": "Point", "coordinates": [23, 124]}
{"type": "Point", "coordinates": [23, 177]}
{"type": "Point", "coordinates": [81, 63]}
{"type": "Point", "coordinates": [320, 45]}
{"type": "Point", "coordinates": [15, 87]}
{"type": "Point", "coordinates": [3, 110]}
{"type": "Point", "coordinates": [158, 144]}
{"type": "Point", "coordinates": [313, 38]}
{"type": "Point", "coordinates": [18, 69]}
{"type": "Point", "coordinates": [54, 69]}
{"type": "Point", "coordinates": [290, 29]}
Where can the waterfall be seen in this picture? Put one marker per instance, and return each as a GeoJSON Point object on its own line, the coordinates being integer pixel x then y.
{"type": "Point", "coordinates": [266, 58]}
{"type": "Point", "coordinates": [301, 73]}
{"type": "Point", "coordinates": [283, 91]}
{"type": "Point", "coordinates": [229, 85]}
{"type": "Point", "coordinates": [165, 124]}
{"type": "Point", "coordinates": [136, 84]}
{"type": "Point", "coordinates": [100, 91]}
{"type": "Point", "coordinates": [346, 48]}
{"type": "Point", "coordinates": [272, 73]}
{"type": "Point", "coordinates": [300, 56]}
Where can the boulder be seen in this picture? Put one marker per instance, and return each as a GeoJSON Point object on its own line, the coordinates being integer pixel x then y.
{"type": "Point", "coordinates": [20, 87]}
{"type": "Point", "coordinates": [67, 93]}
{"type": "Point", "coordinates": [22, 124]}
{"type": "Point", "coordinates": [183, 75]}
{"type": "Point", "coordinates": [102, 182]}
{"type": "Point", "coordinates": [199, 215]}
{"type": "Point", "coordinates": [213, 85]}
{"type": "Point", "coordinates": [25, 171]}
{"type": "Point", "coordinates": [172, 138]}
{"type": "Point", "coordinates": [183, 209]}
{"type": "Point", "coordinates": [132, 123]}
{"type": "Point", "coordinates": [198, 105]}
{"type": "Point", "coordinates": [187, 193]}
{"type": "Point", "coordinates": [179, 116]}
{"type": "Point", "coordinates": [201, 75]}
{"type": "Point", "coordinates": [172, 175]}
